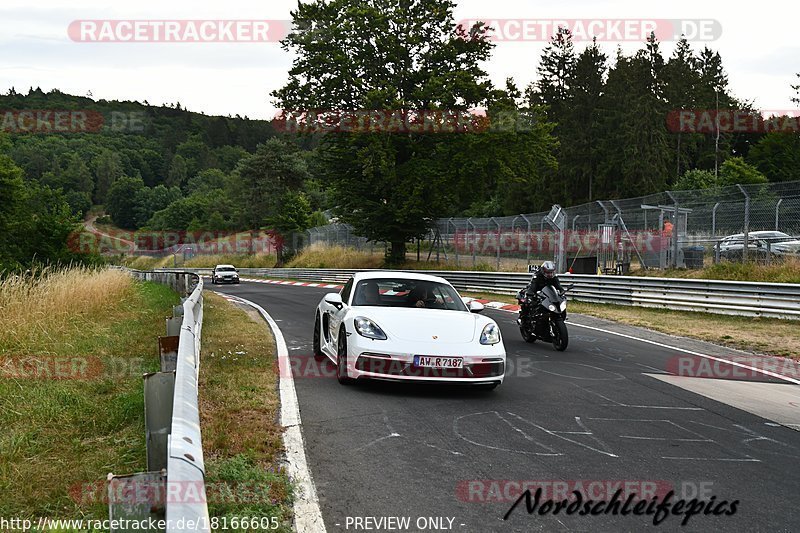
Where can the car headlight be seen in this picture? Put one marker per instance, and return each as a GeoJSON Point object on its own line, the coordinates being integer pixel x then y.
{"type": "Point", "coordinates": [552, 307]}
{"type": "Point", "coordinates": [369, 329]}
{"type": "Point", "coordinates": [490, 334]}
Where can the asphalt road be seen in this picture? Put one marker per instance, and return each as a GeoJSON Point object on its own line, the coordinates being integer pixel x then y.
{"type": "Point", "coordinates": [594, 413]}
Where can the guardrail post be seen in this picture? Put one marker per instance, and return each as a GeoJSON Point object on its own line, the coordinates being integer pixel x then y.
{"type": "Point", "coordinates": [159, 388]}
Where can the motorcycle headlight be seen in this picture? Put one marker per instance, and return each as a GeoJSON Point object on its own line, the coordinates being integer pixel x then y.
{"type": "Point", "coordinates": [552, 307]}
{"type": "Point", "coordinates": [490, 334]}
{"type": "Point", "coordinates": [563, 306]}
{"type": "Point", "coordinates": [369, 329]}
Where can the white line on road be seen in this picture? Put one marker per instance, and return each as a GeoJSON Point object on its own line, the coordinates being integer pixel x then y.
{"type": "Point", "coordinates": [683, 350]}
{"type": "Point", "coordinates": [307, 514]}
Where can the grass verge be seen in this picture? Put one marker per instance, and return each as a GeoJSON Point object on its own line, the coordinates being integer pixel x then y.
{"type": "Point", "coordinates": [73, 348]}
{"type": "Point", "coordinates": [239, 407]}
{"type": "Point", "coordinates": [785, 271]}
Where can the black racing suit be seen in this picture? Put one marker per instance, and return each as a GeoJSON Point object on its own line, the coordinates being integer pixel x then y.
{"type": "Point", "coordinates": [537, 283]}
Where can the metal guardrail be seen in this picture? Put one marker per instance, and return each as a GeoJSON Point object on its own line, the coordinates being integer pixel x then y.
{"type": "Point", "coordinates": [184, 461]}
{"type": "Point", "coordinates": [742, 298]}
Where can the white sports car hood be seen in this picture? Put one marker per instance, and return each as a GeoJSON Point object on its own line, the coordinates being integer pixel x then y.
{"type": "Point", "coordinates": [425, 324]}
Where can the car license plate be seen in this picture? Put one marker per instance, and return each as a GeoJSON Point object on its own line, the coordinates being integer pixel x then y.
{"type": "Point", "coordinates": [438, 362]}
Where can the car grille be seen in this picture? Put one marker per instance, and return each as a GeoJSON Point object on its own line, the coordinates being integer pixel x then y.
{"type": "Point", "coordinates": [385, 365]}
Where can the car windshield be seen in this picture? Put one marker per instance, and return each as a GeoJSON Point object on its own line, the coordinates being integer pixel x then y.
{"type": "Point", "coordinates": [226, 269]}
{"type": "Point", "coordinates": [412, 293]}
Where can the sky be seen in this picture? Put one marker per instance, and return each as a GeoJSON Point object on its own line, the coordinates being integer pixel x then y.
{"type": "Point", "coordinates": [759, 48]}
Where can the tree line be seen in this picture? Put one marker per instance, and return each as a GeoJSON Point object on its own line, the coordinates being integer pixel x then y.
{"type": "Point", "coordinates": [590, 127]}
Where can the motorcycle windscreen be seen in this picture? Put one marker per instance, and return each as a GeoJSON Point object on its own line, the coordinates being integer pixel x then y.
{"type": "Point", "coordinates": [550, 296]}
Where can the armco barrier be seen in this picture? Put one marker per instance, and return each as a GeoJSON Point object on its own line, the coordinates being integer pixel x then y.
{"type": "Point", "coordinates": [184, 460]}
{"type": "Point", "coordinates": [743, 298]}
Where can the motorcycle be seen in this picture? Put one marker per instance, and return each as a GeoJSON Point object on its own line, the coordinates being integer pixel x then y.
{"type": "Point", "coordinates": [542, 316]}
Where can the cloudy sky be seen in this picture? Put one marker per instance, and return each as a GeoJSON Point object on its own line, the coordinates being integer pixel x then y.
{"type": "Point", "coordinates": [758, 45]}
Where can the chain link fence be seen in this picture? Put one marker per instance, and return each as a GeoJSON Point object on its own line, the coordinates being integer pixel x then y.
{"type": "Point", "coordinates": [684, 229]}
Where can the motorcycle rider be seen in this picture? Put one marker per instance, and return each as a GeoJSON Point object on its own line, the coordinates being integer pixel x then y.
{"type": "Point", "coordinates": [543, 276]}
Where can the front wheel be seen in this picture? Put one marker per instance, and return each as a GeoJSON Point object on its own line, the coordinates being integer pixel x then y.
{"type": "Point", "coordinates": [341, 359]}
{"type": "Point", "coordinates": [527, 335]}
{"type": "Point", "coordinates": [560, 335]}
{"type": "Point", "coordinates": [317, 343]}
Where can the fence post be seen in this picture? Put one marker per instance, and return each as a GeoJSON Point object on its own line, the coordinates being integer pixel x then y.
{"type": "Point", "coordinates": [453, 240]}
{"type": "Point", "coordinates": [527, 240]}
{"type": "Point", "coordinates": [746, 221]}
{"type": "Point", "coordinates": [474, 238]}
{"type": "Point", "coordinates": [777, 207]}
{"type": "Point", "coordinates": [714, 219]}
{"type": "Point", "coordinates": [675, 229]}
{"type": "Point", "coordinates": [498, 242]}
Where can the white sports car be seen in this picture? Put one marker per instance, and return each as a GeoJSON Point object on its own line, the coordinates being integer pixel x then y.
{"type": "Point", "coordinates": [407, 327]}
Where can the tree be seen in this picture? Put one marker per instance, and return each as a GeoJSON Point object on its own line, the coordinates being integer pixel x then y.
{"type": "Point", "coordinates": [262, 178]}
{"type": "Point", "coordinates": [555, 71]}
{"type": "Point", "coordinates": [681, 79]}
{"type": "Point", "coordinates": [777, 156]}
{"type": "Point", "coordinates": [696, 179]}
{"type": "Point", "coordinates": [634, 144]}
{"type": "Point", "coordinates": [108, 169]}
{"type": "Point", "coordinates": [293, 216]}
{"type": "Point", "coordinates": [178, 171]}
{"type": "Point", "coordinates": [121, 201]}
{"type": "Point", "coordinates": [35, 222]}
{"type": "Point", "coordinates": [581, 128]}
{"type": "Point", "coordinates": [735, 171]}
{"type": "Point", "coordinates": [380, 54]}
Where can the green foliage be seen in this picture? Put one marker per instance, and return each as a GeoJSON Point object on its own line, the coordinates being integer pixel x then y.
{"type": "Point", "coordinates": [777, 156]}
{"type": "Point", "coordinates": [121, 203]}
{"type": "Point", "coordinates": [36, 222]}
{"type": "Point", "coordinates": [696, 179]}
{"type": "Point", "coordinates": [387, 186]}
{"type": "Point", "coordinates": [735, 171]}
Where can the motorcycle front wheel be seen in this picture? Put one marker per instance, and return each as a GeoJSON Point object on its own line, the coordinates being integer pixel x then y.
{"type": "Point", "coordinates": [560, 335]}
{"type": "Point", "coordinates": [527, 335]}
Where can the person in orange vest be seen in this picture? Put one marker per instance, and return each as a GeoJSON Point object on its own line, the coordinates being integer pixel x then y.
{"type": "Point", "coordinates": [667, 228]}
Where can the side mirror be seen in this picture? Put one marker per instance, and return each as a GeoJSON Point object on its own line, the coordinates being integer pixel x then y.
{"type": "Point", "coordinates": [476, 307]}
{"type": "Point", "coordinates": [335, 299]}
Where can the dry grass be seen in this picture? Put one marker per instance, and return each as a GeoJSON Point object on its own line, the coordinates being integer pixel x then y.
{"type": "Point", "coordinates": [40, 308]}
{"type": "Point", "coordinates": [237, 260]}
{"type": "Point", "coordinates": [60, 433]}
{"type": "Point", "coordinates": [323, 256]}
{"type": "Point", "coordinates": [146, 262]}
{"type": "Point", "coordinates": [239, 407]}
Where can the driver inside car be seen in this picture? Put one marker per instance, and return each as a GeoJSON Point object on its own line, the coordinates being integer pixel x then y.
{"type": "Point", "coordinates": [422, 296]}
